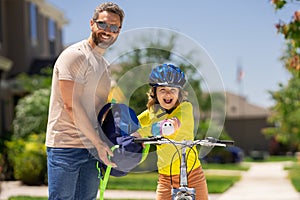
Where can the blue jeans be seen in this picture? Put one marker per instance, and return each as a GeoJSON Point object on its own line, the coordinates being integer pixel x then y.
{"type": "Point", "coordinates": [72, 174]}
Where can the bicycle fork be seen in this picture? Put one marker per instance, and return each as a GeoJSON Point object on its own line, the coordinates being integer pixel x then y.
{"type": "Point", "coordinates": [183, 192]}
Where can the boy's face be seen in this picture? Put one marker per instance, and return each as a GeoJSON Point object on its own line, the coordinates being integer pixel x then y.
{"type": "Point", "coordinates": [167, 96]}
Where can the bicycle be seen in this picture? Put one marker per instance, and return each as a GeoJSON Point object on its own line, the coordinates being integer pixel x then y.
{"type": "Point", "coordinates": [184, 192]}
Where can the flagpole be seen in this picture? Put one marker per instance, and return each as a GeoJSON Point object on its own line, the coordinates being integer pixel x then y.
{"type": "Point", "coordinates": [240, 76]}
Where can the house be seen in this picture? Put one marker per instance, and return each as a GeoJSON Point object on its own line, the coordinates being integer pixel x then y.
{"type": "Point", "coordinates": [244, 123]}
{"type": "Point", "coordinates": [30, 38]}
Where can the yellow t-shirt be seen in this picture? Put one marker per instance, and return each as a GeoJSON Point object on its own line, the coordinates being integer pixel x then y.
{"type": "Point", "coordinates": [168, 153]}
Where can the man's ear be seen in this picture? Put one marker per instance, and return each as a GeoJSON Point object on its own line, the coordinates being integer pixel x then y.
{"type": "Point", "coordinates": [91, 24]}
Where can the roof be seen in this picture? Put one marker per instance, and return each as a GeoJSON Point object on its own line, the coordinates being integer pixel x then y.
{"type": "Point", "coordinates": [50, 12]}
{"type": "Point", "coordinates": [238, 107]}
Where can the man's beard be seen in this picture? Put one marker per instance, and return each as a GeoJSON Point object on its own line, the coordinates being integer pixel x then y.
{"type": "Point", "coordinates": [103, 44]}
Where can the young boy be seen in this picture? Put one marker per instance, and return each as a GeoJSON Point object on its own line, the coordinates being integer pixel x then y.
{"type": "Point", "coordinates": [167, 101]}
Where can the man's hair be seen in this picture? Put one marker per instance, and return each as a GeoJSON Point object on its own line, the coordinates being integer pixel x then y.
{"type": "Point", "coordinates": [109, 7]}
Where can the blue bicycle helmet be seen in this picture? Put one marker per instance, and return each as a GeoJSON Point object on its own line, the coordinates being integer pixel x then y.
{"type": "Point", "coordinates": [167, 75]}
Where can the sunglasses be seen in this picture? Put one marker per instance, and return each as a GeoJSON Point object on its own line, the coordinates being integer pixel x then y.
{"type": "Point", "coordinates": [103, 25]}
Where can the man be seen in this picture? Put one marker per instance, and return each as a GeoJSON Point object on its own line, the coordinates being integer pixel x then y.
{"type": "Point", "coordinates": [80, 87]}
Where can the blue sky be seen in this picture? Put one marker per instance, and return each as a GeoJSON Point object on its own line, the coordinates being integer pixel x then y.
{"type": "Point", "coordinates": [233, 32]}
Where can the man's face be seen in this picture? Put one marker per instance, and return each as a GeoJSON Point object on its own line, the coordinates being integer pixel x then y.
{"type": "Point", "coordinates": [105, 30]}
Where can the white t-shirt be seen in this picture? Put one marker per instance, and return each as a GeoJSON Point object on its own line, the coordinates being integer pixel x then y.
{"type": "Point", "coordinates": [78, 63]}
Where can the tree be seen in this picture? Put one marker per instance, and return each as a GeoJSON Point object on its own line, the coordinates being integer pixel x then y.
{"type": "Point", "coordinates": [132, 68]}
{"type": "Point", "coordinates": [286, 111]}
{"type": "Point", "coordinates": [291, 32]}
{"type": "Point", "coordinates": [286, 115]}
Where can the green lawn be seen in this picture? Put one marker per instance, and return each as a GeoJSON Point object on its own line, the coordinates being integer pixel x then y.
{"type": "Point", "coordinates": [140, 181]}
{"type": "Point", "coordinates": [147, 181]}
{"type": "Point", "coordinates": [219, 184]}
{"type": "Point", "coordinates": [294, 175]}
{"type": "Point", "coordinates": [273, 159]}
{"type": "Point", "coordinates": [239, 167]}
{"type": "Point", "coordinates": [44, 198]}
{"type": "Point", "coordinates": [216, 184]}
{"type": "Point", "coordinates": [27, 198]}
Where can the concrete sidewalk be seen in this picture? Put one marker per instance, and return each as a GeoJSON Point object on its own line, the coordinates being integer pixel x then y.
{"type": "Point", "coordinates": [263, 181]}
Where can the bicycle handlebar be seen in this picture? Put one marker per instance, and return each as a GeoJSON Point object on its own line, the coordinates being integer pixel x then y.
{"type": "Point", "coordinates": [148, 139]}
{"type": "Point", "coordinates": [214, 140]}
{"type": "Point", "coordinates": [183, 192]}
{"type": "Point", "coordinates": [209, 141]}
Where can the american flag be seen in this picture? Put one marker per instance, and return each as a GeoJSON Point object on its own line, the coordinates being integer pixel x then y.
{"type": "Point", "coordinates": [240, 74]}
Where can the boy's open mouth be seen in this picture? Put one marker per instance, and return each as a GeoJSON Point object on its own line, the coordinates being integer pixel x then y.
{"type": "Point", "coordinates": [168, 101]}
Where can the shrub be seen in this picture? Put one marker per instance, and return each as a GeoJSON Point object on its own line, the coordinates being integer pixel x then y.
{"type": "Point", "coordinates": [32, 114]}
{"type": "Point", "coordinates": [26, 149]}
{"type": "Point", "coordinates": [29, 159]}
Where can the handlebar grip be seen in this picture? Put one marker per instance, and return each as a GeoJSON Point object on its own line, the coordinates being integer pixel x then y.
{"type": "Point", "coordinates": [214, 140]}
{"type": "Point", "coordinates": [149, 139]}
{"type": "Point", "coordinates": [227, 142]}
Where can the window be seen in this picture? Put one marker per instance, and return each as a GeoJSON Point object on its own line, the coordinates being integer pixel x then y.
{"type": "Point", "coordinates": [51, 30]}
{"type": "Point", "coordinates": [51, 36]}
{"type": "Point", "coordinates": [33, 23]}
{"type": "Point", "coordinates": [1, 26]}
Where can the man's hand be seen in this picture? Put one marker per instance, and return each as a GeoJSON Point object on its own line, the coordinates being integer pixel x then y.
{"type": "Point", "coordinates": [103, 153]}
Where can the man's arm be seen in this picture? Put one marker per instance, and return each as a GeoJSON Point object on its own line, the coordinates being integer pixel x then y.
{"type": "Point", "coordinates": [73, 105]}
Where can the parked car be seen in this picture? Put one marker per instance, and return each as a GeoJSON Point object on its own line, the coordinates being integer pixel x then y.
{"type": "Point", "coordinates": [231, 154]}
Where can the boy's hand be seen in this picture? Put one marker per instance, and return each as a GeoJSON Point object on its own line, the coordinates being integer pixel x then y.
{"type": "Point", "coordinates": [176, 123]}
{"type": "Point", "coordinates": [136, 134]}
